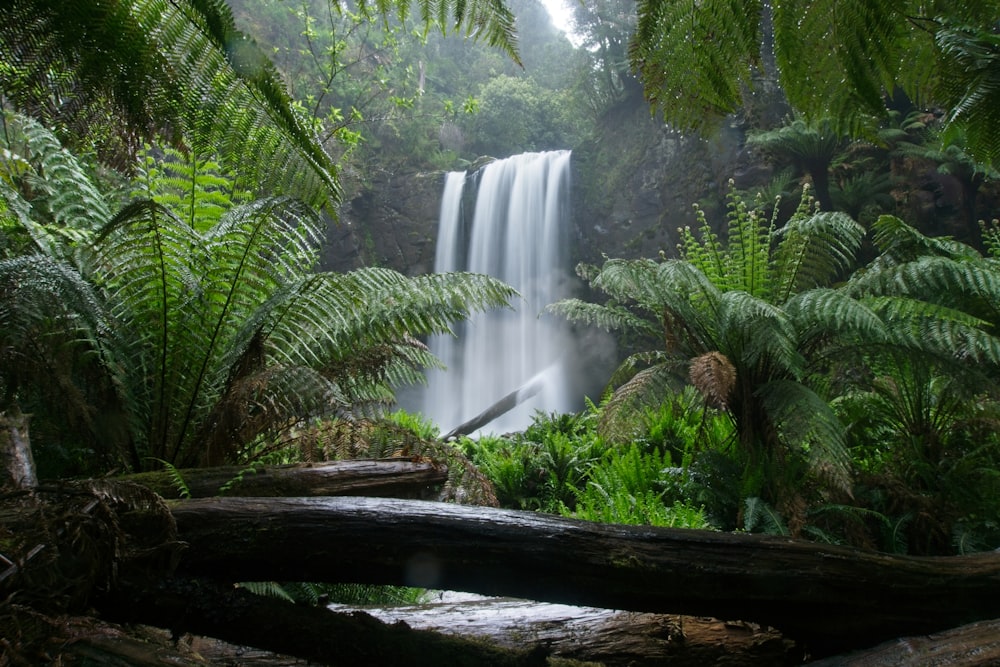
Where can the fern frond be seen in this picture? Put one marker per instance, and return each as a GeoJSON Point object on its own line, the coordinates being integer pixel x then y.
{"type": "Point", "coordinates": [176, 478]}
{"type": "Point", "coordinates": [813, 251]}
{"type": "Point", "coordinates": [820, 313]}
{"type": "Point", "coordinates": [973, 285]}
{"type": "Point", "coordinates": [695, 58]}
{"type": "Point", "coordinates": [167, 69]}
{"type": "Point", "coordinates": [808, 423]}
{"type": "Point", "coordinates": [490, 19]}
{"type": "Point", "coordinates": [269, 589]}
{"type": "Point", "coordinates": [52, 193]}
{"type": "Point", "coordinates": [945, 332]}
{"type": "Point", "coordinates": [757, 334]}
{"type": "Point", "coordinates": [714, 376]}
{"type": "Point", "coordinates": [973, 95]}
{"type": "Point", "coordinates": [901, 242]}
{"type": "Point", "coordinates": [759, 516]}
{"type": "Point", "coordinates": [610, 317]}
{"type": "Point", "coordinates": [859, 48]}
{"type": "Point", "coordinates": [647, 388]}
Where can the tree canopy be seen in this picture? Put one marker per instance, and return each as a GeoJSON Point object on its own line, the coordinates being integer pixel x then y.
{"type": "Point", "coordinates": [844, 60]}
{"type": "Point", "coordinates": [114, 75]}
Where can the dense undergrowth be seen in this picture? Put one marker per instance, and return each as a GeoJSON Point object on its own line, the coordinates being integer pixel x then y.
{"type": "Point", "coordinates": [682, 469]}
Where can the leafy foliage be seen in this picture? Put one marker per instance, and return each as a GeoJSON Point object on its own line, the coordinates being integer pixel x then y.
{"type": "Point", "coordinates": [834, 59]}
{"type": "Point", "coordinates": [754, 305]}
{"type": "Point", "coordinates": [561, 465]}
{"type": "Point", "coordinates": [751, 324]}
{"type": "Point", "coordinates": [810, 147]}
{"type": "Point", "coordinates": [117, 74]}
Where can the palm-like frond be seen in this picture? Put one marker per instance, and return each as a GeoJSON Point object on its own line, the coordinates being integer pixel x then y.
{"type": "Point", "coordinates": [806, 421]}
{"type": "Point", "coordinates": [645, 389]}
{"type": "Point", "coordinates": [756, 335]}
{"type": "Point", "coordinates": [899, 241]}
{"type": "Point", "coordinates": [359, 328]}
{"type": "Point", "coordinates": [836, 59]}
{"type": "Point", "coordinates": [823, 313]}
{"type": "Point", "coordinates": [166, 70]}
{"type": "Point", "coordinates": [944, 334]}
{"type": "Point", "coordinates": [48, 189]}
{"type": "Point", "coordinates": [973, 94]}
{"type": "Point", "coordinates": [186, 296]}
{"type": "Point", "coordinates": [610, 316]}
{"type": "Point", "coordinates": [814, 250]}
{"type": "Point", "coordinates": [800, 142]}
{"type": "Point", "coordinates": [60, 355]}
{"type": "Point", "coordinates": [490, 19]}
{"type": "Point", "coordinates": [772, 262]}
{"type": "Point", "coordinates": [821, 44]}
{"type": "Point", "coordinates": [967, 284]}
{"type": "Point", "coordinates": [694, 58]}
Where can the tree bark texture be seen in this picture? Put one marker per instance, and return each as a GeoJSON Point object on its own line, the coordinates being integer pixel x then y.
{"type": "Point", "coordinates": [398, 478]}
{"type": "Point", "coordinates": [832, 599]}
{"type": "Point", "coordinates": [605, 636]}
{"type": "Point", "coordinates": [973, 645]}
{"type": "Point", "coordinates": [314, 633]}
{"type": "Point", "coordinates": [16, 461]}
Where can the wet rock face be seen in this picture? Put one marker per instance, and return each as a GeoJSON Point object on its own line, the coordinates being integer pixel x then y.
{"type": "Point", "coordinates": [636, 185]}
{"type": "Point", "coordinates": [390, 222]}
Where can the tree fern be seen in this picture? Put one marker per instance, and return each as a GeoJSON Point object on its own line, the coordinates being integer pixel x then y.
{"type": "Point", "coordinates": [760, 516]}
{"type": "Point", "coordinates": [191, 346]}
{"type": "Point", "coordinates": [763, 304]}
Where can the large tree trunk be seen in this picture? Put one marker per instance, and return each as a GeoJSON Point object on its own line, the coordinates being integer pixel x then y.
{"type": "Point", "coordinates": [830, 598]}
{"type": "Point", "coordinates": [397, 478]}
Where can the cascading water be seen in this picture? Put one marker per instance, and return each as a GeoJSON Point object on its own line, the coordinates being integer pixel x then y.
{"type": "Point", "coordinates": [518, 233]}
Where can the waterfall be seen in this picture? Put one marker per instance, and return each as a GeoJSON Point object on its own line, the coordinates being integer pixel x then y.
{"type": "Point", "coordinates": [517, 233]}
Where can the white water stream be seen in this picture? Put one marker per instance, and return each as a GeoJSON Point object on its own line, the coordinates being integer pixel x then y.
{"type": "Point", "coordinates": [518, 233]}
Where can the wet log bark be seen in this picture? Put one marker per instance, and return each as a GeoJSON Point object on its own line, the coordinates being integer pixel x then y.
{"type": "Point", "coordinates": [972, 645]}
{"type": "Point", "coordinates": [495, 411]}
{"type": "Point", "coordinates": [314, 633]}
{"type": "Point", "coordinates": [832, 599]}
{"type": "Point", "coordinates": [605, 636]}
{"type": "Point", "coordinates": [398, 478]}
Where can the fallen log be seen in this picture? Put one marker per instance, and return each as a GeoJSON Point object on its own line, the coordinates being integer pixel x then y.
{"type": "Point", "coordinates": [497, 410]}
{"type": "Point", "coordinates": [832, 599]}
{"type": "Point", "coordinates": [313, 633]}
{"type": "Point", "coordinates": [398, 478]}
{"type": "Point", "coordinates": [609, 637]}
{"type": "Point", "coordinates": [972, 645]}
